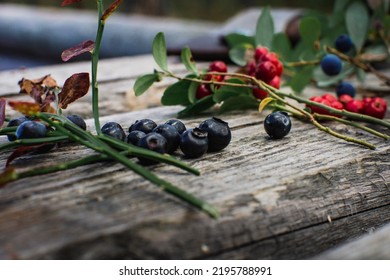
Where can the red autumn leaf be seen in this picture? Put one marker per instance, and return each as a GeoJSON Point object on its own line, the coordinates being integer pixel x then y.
{"type": "Point", "coordinates": [84, 47]}
{"type": "Point", "coordinates": [75, 87]}
{"type": "Point", "coordinates": [69, 2]}
{"type": "Point", "coordinates": [2, 111]}
{"type": "Point", "coordinates": [26, 108]}
{"type": "Point", "coordinates": [8, 175]}
{"type": "Point", "coordinates": [111, 9]}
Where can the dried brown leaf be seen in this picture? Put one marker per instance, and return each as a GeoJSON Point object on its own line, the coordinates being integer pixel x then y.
{"type": "Point", "coordinates": [8, 175]}
{"type": "Point", "coordinates": [74, 88]}
{"type": "Point", "coordinates": [24, 150]}
{"type": "Point", "coordinates": [84, 47]}
{"type": "Point", "coordinates": [111, 9]}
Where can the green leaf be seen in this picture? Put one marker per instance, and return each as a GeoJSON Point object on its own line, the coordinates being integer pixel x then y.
{"type": "Point", "coordinates": [159, 50]}
{"type": "Point", "coordinates": [357, 20]}
{"type": "Point", "coordinates": [188, 60]}
{"type": "Point", "coordinates": [198, 107]}
{"type": "Point", "coordinates": [226, 92]}
{"type": "Point", "coordinates": [234, 39]}
{"type": "Point", "coordinates": [238, 54]}
{"type": "Point", "coordinates": [361, 74]}
{"type": "Point", "coordinates": [192, 91]}
{"type": "Point", "coordinates": [301, 79]}
{"type": "Point", "coordinates": [281, 45]}
{"type": "Point", "coordinates": [177, 94]}
{"type": "Point", "coordinates": [310, 30]}
{"type": "Point", "coordinates": [241, 102]}
{"type": "Point", "coordinates": [265, 28]}
{"type": "Point", "coordinates": [143, 83]}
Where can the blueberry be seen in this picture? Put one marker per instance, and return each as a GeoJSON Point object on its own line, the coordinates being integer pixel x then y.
{"type": "Point", "coordinates": [219, 134]}
{"type": "Point", "coordinates": [331, 65]}
{"type": "Point", "coordinates": [178, 125]}
{"type": "Point", "coordinates": [277, 125]}
{"type": "Point", "coordinates": [343, 43]}
{"type": "Point", "coordinates": [171, 134]}
{"type": "Point", "coordinates": [114, 130]}
{"type": "Point", "coordinates": [77, 120]}
{"type": "Point", "coordinates": [345, 88]}
{"type": "Point", "coordinates": [13, 123]}
{"type": "Point", "coordinates": [135, 136]}
{"type": "Point", "coordinates": [144, 125]}
{"type": "Point", "coordinates": [154, 142]}
{"type": "Point", "coordinates": [194, 142]}
{"type": "Point", "coordinates": [31, 129]}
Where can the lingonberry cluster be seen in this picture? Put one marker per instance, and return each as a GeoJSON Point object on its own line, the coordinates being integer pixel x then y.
{"type": "Point", "coordinates": [266, 67]}
{"type": "Point", "coordinates": [211, 135]}
{"type": "Point", "coordinates": [372, 106]}
{"type": "Point", "coordinates": [204, 90]}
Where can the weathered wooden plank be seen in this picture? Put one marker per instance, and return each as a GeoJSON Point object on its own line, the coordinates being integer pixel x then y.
{"type": "Point", "coordinates": [373, 246]}
{"type": "Point", "coordinates": [271, 194]}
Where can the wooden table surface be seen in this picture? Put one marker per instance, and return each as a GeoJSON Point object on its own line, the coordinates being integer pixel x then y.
{"type": "Point", "coordinates": [295, 198]}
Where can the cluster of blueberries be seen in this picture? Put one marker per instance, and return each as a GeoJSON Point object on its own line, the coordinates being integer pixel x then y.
{"type": "Point", "coordinates": [331, 64]}
{"type": "Point", "coordinates": [212, 135]}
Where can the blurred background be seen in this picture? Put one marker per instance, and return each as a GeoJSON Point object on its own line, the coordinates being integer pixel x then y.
{"type": "Point", "coordinates": [35, 32]}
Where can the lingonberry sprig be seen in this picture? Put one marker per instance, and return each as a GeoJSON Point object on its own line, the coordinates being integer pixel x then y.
{"type": "Point", "coordinates": [63, 129]}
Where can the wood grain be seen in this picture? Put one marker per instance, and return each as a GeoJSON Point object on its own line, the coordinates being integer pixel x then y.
{"type": "Point", "coordinates": [292, 198]}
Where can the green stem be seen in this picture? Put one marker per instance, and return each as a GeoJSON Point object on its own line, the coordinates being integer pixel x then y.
{"type": "Point", "coordinates": [302, 63]}
{"type": "Point", "coordinates": [354, 124]}
{"type": "Point", "coordinates": [32, 142]}
{"type": "Point", "coordinates": [139, 152]}
{"type": "Point", "coordinates": [95, 61]}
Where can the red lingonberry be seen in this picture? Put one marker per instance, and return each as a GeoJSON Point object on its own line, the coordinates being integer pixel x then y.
{"type": "Point", "coordinates": [279, 68]}
{"type": "Point", "coordinates": [218, 66]}
{"type": "Point", "coordinates": [265, 71]}
{"type": "Point", "coordinates": [336, 105]}
{"type": "Point", "coordinates": [328, 96]}
{"type": "Point", "coordinates": [203, 91]}
{"type": "Point", "coordinates": [260, 52]}
{"type": "Point", "coordinates": [251, 68]}
{"type": "Point", "coordinates": [216, 78]}
{"type": "Point", "coordinates": [275, 82]}
{"type": "Point", "coordinates": [315, 109]}
{"type": "Point", "coordinates": [345, 98]}
{"type": "Point", "coordinates": [366, 100]}
{"type": "Point", "coordinates": [259, 93]}
{"type": "Point", "coordinates": [355, 106]}
{"type": "Point", "coordinates": [376, 108]}
{"type": "Point", "coordinates": [271, 57]}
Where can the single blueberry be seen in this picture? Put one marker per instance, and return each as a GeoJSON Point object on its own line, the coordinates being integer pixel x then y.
{"type": "Point", "coordinates": [194, 142]}
{"type": "Point", "coordinates": [219, 134]}
{"type": "Point", "coordinates": [343, 43]}
{"type": "Point", "coordinates": [14, 123]}
{"type": "Point", "coordinates": [135, 136]}
{"type": "Point", "coordinates": [345, 88]}
{"type": "Point", "coordinates": [77, 120]}
{"type": "Point", "coordinates": [171, 134]}
{"type": "Point", "coordinates": [30, 129]}
{"type": "Point", "coordinates": [277, 124]}
{"type": "Point", "coordinates": [331, 65]}
{"type": "Point", "coordinates": [114, 130]}
{"type": "Point", "coordinates": [144, 125]}
{"type": "Point", "coordinates": [153, 142]}
{"type": "Point", "coordinates": [179, 125]}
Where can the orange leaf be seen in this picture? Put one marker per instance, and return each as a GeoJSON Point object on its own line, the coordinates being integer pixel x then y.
{"type": "Point", "coordinates": [26, 108]}
{"type": "Point", "coordinates": [110, 10]}
{"type": "Point", "coordinates": [75, 87]}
